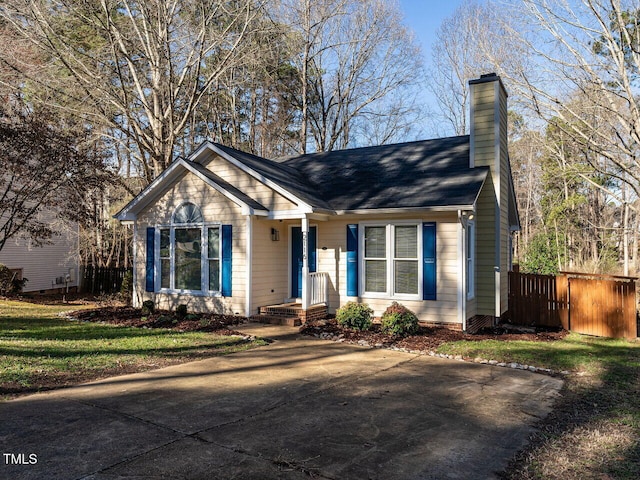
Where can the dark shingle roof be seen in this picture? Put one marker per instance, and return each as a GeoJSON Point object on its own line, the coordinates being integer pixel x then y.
{"type": "Point", "coordinates": [428, 173]}
{"type": "Point", "coordinates": [424, 174]}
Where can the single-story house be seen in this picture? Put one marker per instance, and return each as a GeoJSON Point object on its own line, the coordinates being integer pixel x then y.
{"type": "Point", "coordinates": [426, 223]}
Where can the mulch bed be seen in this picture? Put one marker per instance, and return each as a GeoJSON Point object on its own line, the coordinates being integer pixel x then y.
{"type": "Point", "coordinates": [427, 339]}
{"type": "Point", "coordinates": [133, 317]}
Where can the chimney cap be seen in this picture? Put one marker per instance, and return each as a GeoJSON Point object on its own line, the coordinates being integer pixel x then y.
{"type": "Point", "coordinates": [486, 78]}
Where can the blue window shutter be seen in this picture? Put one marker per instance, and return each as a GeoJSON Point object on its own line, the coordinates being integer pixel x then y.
{"type": "Point", "coordinates": [429, 286]}
{"type": "Point", "coordinates": [151, 254]}
{"type": "Point", "coordinates": [226, 260]}
{"type": "Point", "coordinates": [352, 260]}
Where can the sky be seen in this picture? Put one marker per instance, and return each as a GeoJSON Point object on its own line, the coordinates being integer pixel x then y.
{"type": "Point", "coordinates": [424, 18]}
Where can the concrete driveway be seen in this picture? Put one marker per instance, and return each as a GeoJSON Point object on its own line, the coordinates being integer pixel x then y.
{"type": "Point", "coordinates": [299, 408]}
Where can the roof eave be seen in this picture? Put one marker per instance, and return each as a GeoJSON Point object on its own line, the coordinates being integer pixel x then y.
{"type": "Point", "coordinates": [130, 211]}
{"type": "Point", "coordinates": [396, 210]}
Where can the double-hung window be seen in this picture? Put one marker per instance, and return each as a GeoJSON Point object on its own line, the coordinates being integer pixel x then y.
{"type": "Point", "coordinates": [391, 261]}
{"type": "Point", "coordinates": [375, 259]}
{"type": "Point", "coordinates": [189, 253]}
{"type": "Point", "coordinates": [405, 259]}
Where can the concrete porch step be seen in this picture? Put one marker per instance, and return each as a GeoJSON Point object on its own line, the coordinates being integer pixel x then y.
{"type": "Point", "coordinates": [277, 319]}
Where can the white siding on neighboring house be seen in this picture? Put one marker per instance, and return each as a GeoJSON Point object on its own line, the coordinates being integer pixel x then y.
{"type": "Point", "coordinates": [44, 266]}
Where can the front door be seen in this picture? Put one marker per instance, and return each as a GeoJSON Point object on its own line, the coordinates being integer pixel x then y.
{"type": "Point", "coordinates": [296, 258]}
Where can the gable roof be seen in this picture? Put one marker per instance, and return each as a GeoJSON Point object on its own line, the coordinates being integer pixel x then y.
{"type": "Point", "coordinates": [428, 174]}
{"type": "Point", "coordinates": [424, 174]}
{"type": "Point", "coordinates": [172, 174]}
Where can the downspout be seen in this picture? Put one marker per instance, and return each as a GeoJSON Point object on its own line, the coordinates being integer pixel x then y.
{"type": "Point", "coordinates": [462, 282]}
{"type": "Point", "coordinates": [248, 286]}
{"type": "Point", "coordinates": [134, 277]}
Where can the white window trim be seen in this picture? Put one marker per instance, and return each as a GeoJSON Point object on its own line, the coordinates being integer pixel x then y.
{"type": "Point", "coordinates": [470, 259]}
{"type": "Point", "coordinates": [389, 294]}
{"type": "Point", "coordinates": [204, 260]}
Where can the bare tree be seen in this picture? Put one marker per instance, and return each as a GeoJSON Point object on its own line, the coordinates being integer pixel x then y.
{"type": "Point", "coordinates": [587, 65]}
{"type": "Point", "coordinates": [468, 43]}
{"type": "Point", "coordinates": [526, 148]}
{"type": "Point", "coordinates": [139, 67]}
{"type": "Point", "coordinates": [356, 65]}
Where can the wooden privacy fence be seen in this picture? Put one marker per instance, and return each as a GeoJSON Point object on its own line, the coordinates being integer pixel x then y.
{"type": "Point", "coordinates": [101, 280]}
{"type": "Point", "coordinates": [601, 305]}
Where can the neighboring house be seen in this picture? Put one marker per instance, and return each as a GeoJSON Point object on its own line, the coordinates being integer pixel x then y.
{"type": "Point", "coordinates": [427, 224]}
{"type": "Point", "coordinates": [50, 268]}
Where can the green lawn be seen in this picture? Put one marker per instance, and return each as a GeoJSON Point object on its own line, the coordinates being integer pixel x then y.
{"type": "Point", "coordinates": [594, 430]}
{"type": "Point", "coordinates": [40, 350]}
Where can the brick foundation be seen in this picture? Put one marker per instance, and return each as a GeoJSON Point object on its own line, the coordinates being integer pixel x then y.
{"type": "Point", "coordinates": [474, 324]}
{"type": "Point", "coordinates": [290, 311]}
{"type": "Point", "coordinates": [450, 326]}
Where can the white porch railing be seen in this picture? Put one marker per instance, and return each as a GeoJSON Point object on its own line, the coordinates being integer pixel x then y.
{"type": "Point", "coordinates": [319, 288]}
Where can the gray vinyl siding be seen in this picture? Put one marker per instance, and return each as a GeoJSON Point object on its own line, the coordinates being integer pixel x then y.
{"type": "Point", "coordinates": [42, 265]}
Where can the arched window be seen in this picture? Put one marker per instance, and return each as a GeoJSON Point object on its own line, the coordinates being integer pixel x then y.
{"type": "Point", "coordinates": [189, 253]}
{"type": "Point", "coordinates": [187, 213]}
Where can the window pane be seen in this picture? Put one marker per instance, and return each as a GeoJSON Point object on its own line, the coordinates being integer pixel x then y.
{"type": "Point", "coordinates": [406, 276]}
{"type": "Point", "coordinates": [165, 273]}
{"type": "Point", "coordinates": [214, 275]}
{"type": "Point", "coordinates": [187, 213]}
{"type": "Point", "coordinates": [187, 259]}
{"type": "Point", "coordinates": [164, 243]}
{"type": "Point", "coordinates": [375, 274]}
{"type": "Point", "coordinates": [406, 241]}
{"type": "Point", "coordinates": [214, 243]}
{"type": "Point", "coordinates": [375, 245]}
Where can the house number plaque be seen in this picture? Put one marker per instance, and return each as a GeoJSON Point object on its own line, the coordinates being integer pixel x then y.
{"type": "Point", "coordinates": [304, 245]}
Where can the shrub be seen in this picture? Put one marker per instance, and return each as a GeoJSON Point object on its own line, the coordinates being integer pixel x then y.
{"type": "Point", "coordinates": [18, 285]}
{"type": "Point", "coordinates": [6, 277]}
{"type": "Point", "coordinates": [399, 320]}
{"type": "Point", "coordinates": [148, 307]}
{"type": "Point", "coordinates": [9, 284]}
{"type": "Point", "coordinates": [126, 290]}
{"type": "Point", "coordinates": [181, 311]}
{"type": "Point", "coordinates": [356, 316]}
{"type": "Point", "coordinates": [165, 320]}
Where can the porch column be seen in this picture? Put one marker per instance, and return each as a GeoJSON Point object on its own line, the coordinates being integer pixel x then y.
{"type": "Point", "coordinates": [305, 263]}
